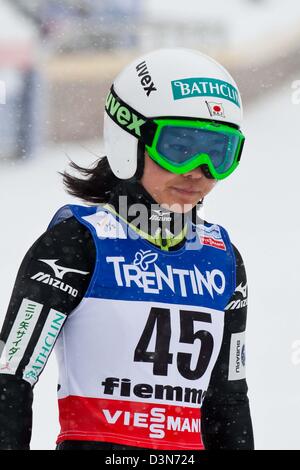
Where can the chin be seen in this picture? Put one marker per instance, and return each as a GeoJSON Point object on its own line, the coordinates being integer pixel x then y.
{"type": "Point", "coordinates": [180, 207]}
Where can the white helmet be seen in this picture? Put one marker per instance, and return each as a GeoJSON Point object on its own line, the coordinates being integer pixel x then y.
{"type": "Point", "coordinates": [178, 83]}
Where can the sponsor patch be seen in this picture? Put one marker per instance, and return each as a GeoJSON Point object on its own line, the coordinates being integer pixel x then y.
{"type": "Point", "coordinates": [201, 86]}
{"type": "Point", "coordinates": [19, 336]}
{"type": "Point", "coordinates": [237, 360]}
{"type": "Point", "coordinates": [44, 346]}
{"type": "Point", "coordinates": [106, 225]}
{"type": "Point", "coordinates": [145, 274]}
{"type": "Point", "coordinates": [211, 236]}
{"type": "Point", "coordinates": [164, 427]}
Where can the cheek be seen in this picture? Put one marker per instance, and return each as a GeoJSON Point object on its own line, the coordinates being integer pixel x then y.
{"type": "Point", "coordinates": [155, 176]}
{"type": "Point", "coordinates": [209, 184]}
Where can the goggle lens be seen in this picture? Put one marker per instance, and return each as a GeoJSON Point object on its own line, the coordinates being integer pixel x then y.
{"type": "Point", "coordinates": [181, 144]}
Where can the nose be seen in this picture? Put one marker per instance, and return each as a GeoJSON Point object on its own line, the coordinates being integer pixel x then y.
{"type": "Point", "coordinates": [196, 173]}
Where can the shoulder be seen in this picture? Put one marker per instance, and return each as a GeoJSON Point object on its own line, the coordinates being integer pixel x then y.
{"type": "Point", "coordinates": [71, 219]}
{"type": "Point", "coordinates": [216, 235]}
{"type": "Point", "coordinates": [218, 231]}
{"type": "Point", "coordinates": [235, 253]}
{"type": "Point", "coordinates": [238, 257]}
{"type": "Point", "coordinates": [70, 226]}
{"type": "Point", "coordinates": [68, 238]}
{"type": "Point", "coordinates": [221, 236]}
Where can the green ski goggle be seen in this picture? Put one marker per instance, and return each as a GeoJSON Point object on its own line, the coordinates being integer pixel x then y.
{"type": "Point", "coordinates": [181, 145]}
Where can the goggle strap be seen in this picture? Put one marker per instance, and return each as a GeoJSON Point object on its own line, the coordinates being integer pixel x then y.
{"type": "Point", "coordinates": [206, 171]}
{"type": "Point", "coordinates": [241, 150]}
{"type": "Point", "coordinates": [133, 122]}
{"type": "Point", "coordinates": [129, 119]}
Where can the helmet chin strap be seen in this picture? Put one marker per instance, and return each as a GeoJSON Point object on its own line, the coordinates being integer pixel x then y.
{"type": "Point", "coordinates": [140, 163]}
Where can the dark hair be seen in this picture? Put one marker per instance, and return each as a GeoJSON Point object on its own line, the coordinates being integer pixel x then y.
{"type": "Point", "coordinates": [101, 180]}
{"type": "Point", "coordinates": [95, 186]}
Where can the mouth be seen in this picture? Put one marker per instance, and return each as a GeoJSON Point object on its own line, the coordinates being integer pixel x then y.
{"type": "Point", "coordinates": [186, 191]}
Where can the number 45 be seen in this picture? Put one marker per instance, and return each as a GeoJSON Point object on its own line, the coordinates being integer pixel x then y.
{"type": "Point", "coordinates": [160, 319]}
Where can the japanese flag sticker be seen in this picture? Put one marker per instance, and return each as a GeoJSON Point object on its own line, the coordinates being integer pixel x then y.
{"type": "Point", "coordinates": [215, 109]}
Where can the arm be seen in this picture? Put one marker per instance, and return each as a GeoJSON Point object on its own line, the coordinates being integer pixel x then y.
{"type": "Point", "coordinates": [226, 420]}
{"type": "Point", "coordinates": [36, 300]}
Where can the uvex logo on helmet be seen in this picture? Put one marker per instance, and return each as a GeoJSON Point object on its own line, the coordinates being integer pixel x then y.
{"type": "Point", "coordinates": [146, 80]}
{"type": "Point", "coordinates": [123, 116]}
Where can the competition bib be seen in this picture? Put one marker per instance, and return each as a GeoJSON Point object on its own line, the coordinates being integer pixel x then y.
{"type": "Point", "coordinates": [136, 355]}
{"type": "Point", "coordinates": [143, 373]}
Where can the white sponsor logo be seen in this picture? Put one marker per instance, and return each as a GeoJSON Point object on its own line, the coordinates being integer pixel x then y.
{"type": "Point", "coordinates": [239, 303]}
{"type": "Point", "coordinates": [160, 216]}
{"type": "Point", "coordinates": [242, 290]}
{"type": "Point", "coordinates": [60, 271]}
{"type": "Point", "coordinates": [213, 231]}
{"type": "Point", "coordinates": [19, 336]}
{"type": "Point", "coordinates": [44, 346]}
{"type": "Point", "coordinates": [106, 225]}
{"type": "Point", "coordinates": [144, 258]}
{"type": "Point", "coordinates": [237, 360]}
{"type": "Point", "coordinates": [47, 279]}
{"type": "Point", "coordinates": [178, 280]}
{"type": "Point", "coordinates": [211, 236]}
{"type": "Point", "coordinates": [156, 421]}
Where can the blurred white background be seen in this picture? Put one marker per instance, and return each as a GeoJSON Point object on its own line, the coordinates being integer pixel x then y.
{"type": "Point", "coordinates": [57, 59]}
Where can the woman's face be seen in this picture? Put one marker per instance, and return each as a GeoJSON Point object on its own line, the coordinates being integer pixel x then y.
{"type": "Point", "coordinates": [180, 193]}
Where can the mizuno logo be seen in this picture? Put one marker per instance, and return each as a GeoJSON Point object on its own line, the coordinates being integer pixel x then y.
{"type": "Point", "coordinates": [242, 289]}
{"type": "Point", "coordinates": [160, 212]}
{"type": "Point", "coordinates": [124, 117]}
{"type": "Point", "coordinates": [160, 215]}
{"type": "Point", "coordinates": [47, 279]}
{"type": "Point", "coordinates": [60, 271]}
{"type": "Point", "coordinates": [238, 303]}
{"type": "Point", "coordinates": [146, 80]}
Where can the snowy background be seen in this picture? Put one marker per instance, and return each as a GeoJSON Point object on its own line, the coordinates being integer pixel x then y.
{"type": "Point", "coordinates": [258, 205]}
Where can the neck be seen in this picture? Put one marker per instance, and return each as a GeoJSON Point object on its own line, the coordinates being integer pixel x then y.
{"type": "Point", "coordinates": [160, 226]}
